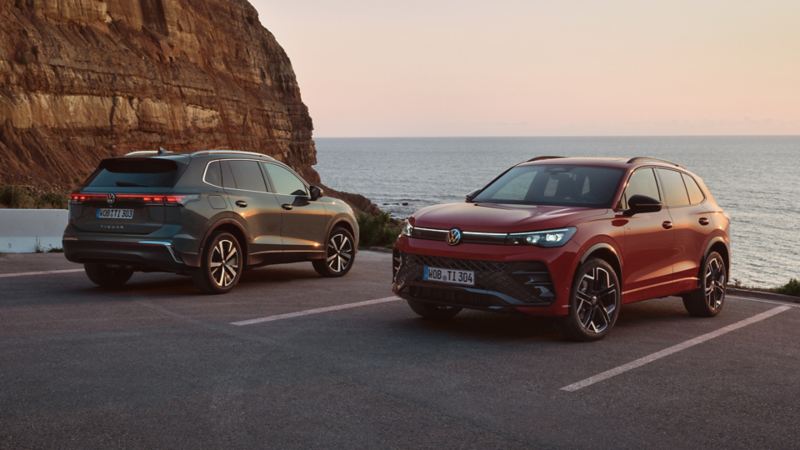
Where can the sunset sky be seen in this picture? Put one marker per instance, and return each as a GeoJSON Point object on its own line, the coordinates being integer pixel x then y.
{"type": "Point", "coordinates": [543, 68]}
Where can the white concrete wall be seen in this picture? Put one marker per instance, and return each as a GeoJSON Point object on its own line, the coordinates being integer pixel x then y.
{"type": "Point", "coordinates": [31, 230]}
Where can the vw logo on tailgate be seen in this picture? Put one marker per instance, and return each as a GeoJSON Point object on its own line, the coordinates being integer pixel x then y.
{"type": "Point", "coordinates": [454, 236]}
{"type": "Point", "coordinates": [111, 198]}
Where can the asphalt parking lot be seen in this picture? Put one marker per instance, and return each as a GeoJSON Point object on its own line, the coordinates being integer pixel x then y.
{"type": "Point", "coordinates": [291, 360]}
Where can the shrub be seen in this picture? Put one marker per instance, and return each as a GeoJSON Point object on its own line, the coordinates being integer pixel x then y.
{"type": "Point", "coordinates": [378, 230]}
{"type": "Point", "coordinates": [790, 288]}
{"type": "Point", "coordinates": [26, 197]}
{"type": "Point", "coordinates": [16, 197]}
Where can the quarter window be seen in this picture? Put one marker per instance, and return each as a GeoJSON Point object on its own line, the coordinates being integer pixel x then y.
{"type": "Point", "coordinates": [214, 174]}
{"type": "Point", "coordinates": [247, 175]}
{"type": "Point", "coordinates": [695, 193]}
{"type": "Point", "coordinates": [642, 182]}
{"type": "Point", "coordinates": [674, 190]}
{"type": "Point", "coordinates": [284, 181]}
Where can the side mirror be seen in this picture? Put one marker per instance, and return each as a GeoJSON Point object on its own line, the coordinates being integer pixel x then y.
{"type": "Point", "coordinates": [316, 192]}
{"type": "Point", "coordinates": [642, 204]}
{"type": "Point", "coordinates": [472, 195]}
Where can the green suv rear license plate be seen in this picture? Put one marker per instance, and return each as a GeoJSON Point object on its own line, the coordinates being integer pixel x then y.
{"type": "Point", "coordinates": [115, 213]}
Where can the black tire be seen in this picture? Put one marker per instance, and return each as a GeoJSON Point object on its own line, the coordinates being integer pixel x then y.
{"type": "Point", "coordinates": [222, 264]}
{"type": "Point", "coordinates": [595, 301]}
{"type": "Point", "coordinates": [708, 300]}
{"type": "Point", "coordinates": [106, 276]}
{"type": "Point", "coordinates": [430, 311]}
{"type": "Point", "coordinates": [340, 254]}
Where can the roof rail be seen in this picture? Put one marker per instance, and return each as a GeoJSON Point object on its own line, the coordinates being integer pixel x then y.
{"type": "Point", "coordinates": [647, 158]}
{"type": "Point", "coordinates": [228, 152]}
{"type": "Point", "coordinates": [542, 158]}
{"type": "Point", "coordinates": [142, 153]}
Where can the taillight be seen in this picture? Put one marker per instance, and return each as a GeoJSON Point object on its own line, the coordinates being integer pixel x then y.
{"type": "Point", "coordinates": [161, 199]}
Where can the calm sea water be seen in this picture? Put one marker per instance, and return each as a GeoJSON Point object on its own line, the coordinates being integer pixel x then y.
{"type": "Point", "coordinates": [756, 180]}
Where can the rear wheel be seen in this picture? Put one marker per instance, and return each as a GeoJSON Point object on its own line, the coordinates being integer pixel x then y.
{"type": "Point", "coordinates": [594, 302]}
{"type": "Point", "coordinates": [709, 299]}
{"type": "Point", "coordinates": [107, 276]}
{"type": "Point", "coordinates": [340, 253]}
{"type": "Point", "coordinates": [431, 311]}
{"type": "Point", "coordinates": [222, 265]}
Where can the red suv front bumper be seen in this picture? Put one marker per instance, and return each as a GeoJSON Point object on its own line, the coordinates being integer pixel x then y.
{"type": "Point", "coordinates": [527, 279]}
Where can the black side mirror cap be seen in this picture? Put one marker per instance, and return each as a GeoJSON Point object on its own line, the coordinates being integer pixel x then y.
{"type": "Point", "coordinates": [642, 204]}
{"type": "Point", "coordinates": [316, 192]}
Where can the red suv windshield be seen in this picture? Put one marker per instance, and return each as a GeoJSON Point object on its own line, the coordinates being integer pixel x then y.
{"type": "Point", "coordinates": [563, 185]}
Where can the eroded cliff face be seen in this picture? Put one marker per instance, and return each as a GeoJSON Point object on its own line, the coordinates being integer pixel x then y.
{"type": "Point", "coordinates": [81, 80]}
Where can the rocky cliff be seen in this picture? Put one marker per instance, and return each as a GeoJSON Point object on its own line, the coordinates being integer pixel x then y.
{"type": "Point", "coordinates": [81, 80]}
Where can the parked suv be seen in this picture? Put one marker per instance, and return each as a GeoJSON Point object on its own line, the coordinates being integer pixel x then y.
{"type": "Point", "coordinates": [210, 214]}
{"type": "Point", "coordinates": [569, 237]}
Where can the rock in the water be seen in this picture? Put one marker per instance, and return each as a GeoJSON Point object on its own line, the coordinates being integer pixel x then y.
{"type": "Point", "coordinates": [81, 80]}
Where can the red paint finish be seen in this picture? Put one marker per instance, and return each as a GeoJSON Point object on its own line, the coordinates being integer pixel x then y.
{"type": "Point", "coordinates": [658, 253]}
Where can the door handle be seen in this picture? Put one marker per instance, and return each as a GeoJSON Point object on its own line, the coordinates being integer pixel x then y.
{"type": "Point", "coordinates": [703, 221]}
{"type": "Point", "coordinates": [666, 224]}
{"type": "Point", "coordinates": [241, 203]}
{"type": "Point", "coordinates": [287, 206]}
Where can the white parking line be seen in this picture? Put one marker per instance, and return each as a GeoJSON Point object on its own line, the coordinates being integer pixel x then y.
{"type": "Point", "coordinates": [674, 349]}
{"type": "Point", "coordinates": [309, 312]}
{"type": "Point", "coordinates": [44, 272]}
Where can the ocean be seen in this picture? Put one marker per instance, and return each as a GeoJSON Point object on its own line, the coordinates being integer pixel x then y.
{"type": "Point", "coordinates": [755, 179]}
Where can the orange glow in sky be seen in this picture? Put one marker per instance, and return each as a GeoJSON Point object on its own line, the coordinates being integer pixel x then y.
{"type": "Point", "coordinates": [528, 68]}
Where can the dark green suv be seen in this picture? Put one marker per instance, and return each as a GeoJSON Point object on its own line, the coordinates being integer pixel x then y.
{"type": "Point", "coordinates": [209, 214]}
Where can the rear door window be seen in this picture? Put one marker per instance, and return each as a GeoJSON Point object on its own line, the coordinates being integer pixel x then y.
{"type": "Point", "coordinates": [246, 176]}
{"type": "Point", "coordinates": [642, 182]}
{"type": "Point", "coordinates": [675, 194]}
{"type": "Point", "coordinates": [695, 193]}
{"type": "Point", "coordinates": [136, 173]}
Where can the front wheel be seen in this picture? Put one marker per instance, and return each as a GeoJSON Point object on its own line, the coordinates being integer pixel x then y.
{"type": "Point", "coordinates": [340, 253]}
{"type": "Point", "coordinates": [107, 276]}
{"type": "Point", "coordinates": [222, 265]}
{"type": "Point", "coordinates": [709, 299]}
{"type": "Point", "coordinates": [594, 301]}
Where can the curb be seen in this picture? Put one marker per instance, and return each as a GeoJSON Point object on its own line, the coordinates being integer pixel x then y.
{"type": "Point", "coordinates": [764, 295]}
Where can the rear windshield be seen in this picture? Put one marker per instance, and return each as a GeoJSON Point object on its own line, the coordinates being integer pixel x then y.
{"type": "Point", "coordinates": [130, 172]}
{"type": "Point", "coordinates": [565, 185]}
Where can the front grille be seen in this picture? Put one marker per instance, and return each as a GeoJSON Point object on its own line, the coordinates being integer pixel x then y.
{"type": "Point", "coordinates": [467, 237]}
{"type": "Point", "coordinates": [512, 283]}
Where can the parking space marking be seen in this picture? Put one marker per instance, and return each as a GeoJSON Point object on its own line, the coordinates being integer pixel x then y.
{"type": "Point", "coordinates": [44, 272]}
{"type": "Point", "coordinates": [309, 312]}
{"type": "Point", "coordinates": [674, 349]}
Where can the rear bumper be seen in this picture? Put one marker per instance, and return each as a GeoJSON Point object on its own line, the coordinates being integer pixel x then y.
{"type": "Point", "coordinates": [141, 254]}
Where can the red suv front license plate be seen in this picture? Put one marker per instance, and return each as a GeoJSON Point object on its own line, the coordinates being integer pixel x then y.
{"type": "Point", "coordinates": [463, 277]}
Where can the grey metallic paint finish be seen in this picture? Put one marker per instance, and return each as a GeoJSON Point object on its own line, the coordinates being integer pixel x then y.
{"type": "Point", "coordinates": [272, 234]}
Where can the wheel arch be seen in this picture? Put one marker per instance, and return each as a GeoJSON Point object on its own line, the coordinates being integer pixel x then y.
{"type": "Point", "coordinates": [719, 245]}
{"type": "Point", "coordinates": [230, 225]}
{"type": "Point", "coordinates": [607, 253]}
{"type": "Point", "coordinates": [346, 223]}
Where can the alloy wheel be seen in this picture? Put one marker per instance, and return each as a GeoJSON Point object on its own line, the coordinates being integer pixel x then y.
{"type": "Point", "coordinates": [714, 283]}
{"type": "Point", "coordinates": [340, 252]}
{"type": "Point", "coordinates": [225, 262]}
{"type": "Point", "coordinates": [597, 300]}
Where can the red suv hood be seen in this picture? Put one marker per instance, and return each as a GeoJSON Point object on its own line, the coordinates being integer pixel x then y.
{"type": "Point", "coordinates": [496, 218]}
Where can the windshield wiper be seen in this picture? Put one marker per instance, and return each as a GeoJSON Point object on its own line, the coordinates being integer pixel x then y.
{"type": "Point", "coordinates": [128, 184]}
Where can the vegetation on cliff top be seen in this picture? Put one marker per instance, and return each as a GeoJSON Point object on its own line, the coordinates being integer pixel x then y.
{"type": "Point", "coordinates": [26, 197]}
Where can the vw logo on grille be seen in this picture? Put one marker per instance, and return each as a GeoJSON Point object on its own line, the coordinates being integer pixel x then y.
{"type": "Point", "coordinates": [111, 198]}
{"type": "Point", "coordinates": [454, 236]}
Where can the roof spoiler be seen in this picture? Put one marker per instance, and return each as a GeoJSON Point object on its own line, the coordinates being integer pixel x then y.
{"type": "Point", "coordinates": [161, 151]}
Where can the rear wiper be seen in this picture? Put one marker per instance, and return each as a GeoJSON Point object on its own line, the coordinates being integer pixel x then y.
{"type": "Point", "coordinates": [128, 184]}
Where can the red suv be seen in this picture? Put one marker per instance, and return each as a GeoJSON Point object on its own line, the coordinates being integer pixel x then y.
{"type": "Point", "coordinates": [569, 237]}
